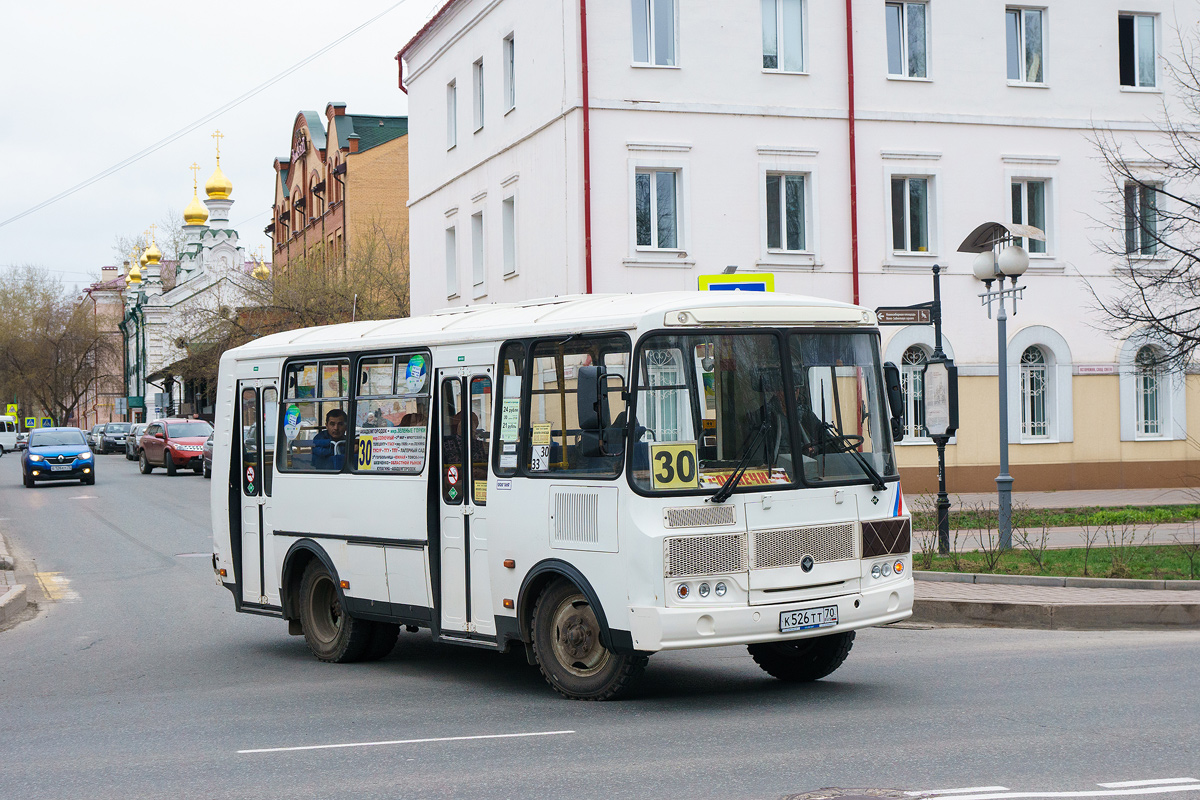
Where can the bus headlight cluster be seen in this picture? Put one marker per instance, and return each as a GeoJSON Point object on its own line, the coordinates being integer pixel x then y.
{"type": "Point", "coordinates": [885, 569]}
{"type": "Point", "coordinates": [683, 591]}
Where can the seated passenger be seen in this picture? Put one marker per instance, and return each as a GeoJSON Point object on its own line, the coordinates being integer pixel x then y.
{"type": "Point", "coordinates": [328, 446]}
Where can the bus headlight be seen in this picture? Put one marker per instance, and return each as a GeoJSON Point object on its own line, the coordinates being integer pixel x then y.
{"type": "Point", "coordinates": [876, 571]}
{"type": "Point", "coordinates": [703, 589]}
{"type": "Point", "coordinates": [721, 589]}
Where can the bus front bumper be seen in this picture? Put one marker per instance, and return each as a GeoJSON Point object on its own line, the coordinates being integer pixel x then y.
{"type": "Point", "coordinates": [656, 628]}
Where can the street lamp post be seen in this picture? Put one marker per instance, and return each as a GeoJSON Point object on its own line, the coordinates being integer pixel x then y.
{"type": "Point", "coordinates": [999, 257]}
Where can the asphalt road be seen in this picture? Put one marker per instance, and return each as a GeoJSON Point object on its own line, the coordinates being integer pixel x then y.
{"type": "Point", "coordinates": [137, 680]}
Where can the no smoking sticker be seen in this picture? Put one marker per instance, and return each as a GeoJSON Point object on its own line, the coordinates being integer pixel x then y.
{"type": "Point", "coordinates": [249, 474]}
{"type": "Point", "coordinates": [452, 475]}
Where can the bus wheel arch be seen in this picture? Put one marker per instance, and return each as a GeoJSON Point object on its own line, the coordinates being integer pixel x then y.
{"type": "Point", "coordinates": [538, 579]}
{"type": "Point", "coordinates": [294, 563]}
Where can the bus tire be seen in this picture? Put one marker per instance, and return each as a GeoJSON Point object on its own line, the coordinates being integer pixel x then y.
{"type": "Point", "coordinates": [331, 633]}
{"type": "Point", "coordinates": [566, 643]}
{"type": "Point", "coordinates": [803, 660]}
{"type": "Point", "coordinates": [383, 640]}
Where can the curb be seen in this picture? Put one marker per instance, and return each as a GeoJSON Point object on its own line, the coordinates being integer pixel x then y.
{"type": "Point", "coordinates": [1052, 616]}
{"type": "Point", "coordinates": [12, 603]}
{"type": "Point", "coordinates": [1050, 580]}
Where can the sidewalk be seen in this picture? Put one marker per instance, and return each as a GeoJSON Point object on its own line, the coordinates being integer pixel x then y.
{"type": "Point", "coordinates": [1076, 498]}
{"type": "Point", "coordinates": [12, 594]}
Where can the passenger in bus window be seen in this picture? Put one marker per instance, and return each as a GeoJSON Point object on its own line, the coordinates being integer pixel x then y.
{"type": "Point", "coordinates": [328, 446]}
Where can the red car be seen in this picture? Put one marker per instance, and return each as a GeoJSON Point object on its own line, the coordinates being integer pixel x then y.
{"type": "Point", "coordinates": [174, 444]}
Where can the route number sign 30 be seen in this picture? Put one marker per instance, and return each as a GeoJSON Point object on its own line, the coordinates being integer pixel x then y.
{"type": "Point", "coordinates": [673, 465]}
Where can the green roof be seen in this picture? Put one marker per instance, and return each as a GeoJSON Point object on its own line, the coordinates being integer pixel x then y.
{"type": "Point", "coordinates": [372, 130]}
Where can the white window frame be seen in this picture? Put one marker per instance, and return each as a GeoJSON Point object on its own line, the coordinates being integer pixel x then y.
{"type": "Point", "coordinates": [1021, 28]}
{"type": "Point", "coordinates": [1172, 397]}
{"type": "Point", "coordinates": [904, 75]}
{"type": "Point", "coordinates": [1137, 85]}
{"type": "Point", "coordinates": [1032, 372]}
{"type": "Point", "coordinates": [1060, 413]}
{"type": "Point", "coordinates": [934, 202]}
{"type": "Point", "coordinates": [805, 221]}
{"type": "Point", "coordinates": [647, 7]}
{"type": "Point", "coordinates": [451, 115]}
{"type": "Point", "coordinates": [452, 288]}
{"type": "Point", "coordinates": [681, 226]}
{"type": "Point", "coordinates": [910, 375]}
{"type": "Point", "coordinates": [904, 338]}
{"type": "Point", "coordinates": [477, 94]}
{"type": "Point", "coordinates": [1024, 177]}
{"type": "Point", "coordinates": [478, 254]}
{"type": "Point", "coordinates": [508, 226]}
{"type": "Point", "coordinates": [1140, 188]}
{"type": "Point", "coordinates": [781, 53]}
{"type": "Point", "coordinates": [798, 163]}
{"type": "Point", "coordinates": [510, 72]}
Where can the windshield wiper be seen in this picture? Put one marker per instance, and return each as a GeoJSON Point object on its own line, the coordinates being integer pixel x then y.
{"type": "Point", "coordinates": [726, 489]}
{"type": "Point", "coordinates": [861, 460]}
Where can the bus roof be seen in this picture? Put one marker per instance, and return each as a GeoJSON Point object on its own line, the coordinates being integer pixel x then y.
{"type": "Point", "coordinates": [549, 316]}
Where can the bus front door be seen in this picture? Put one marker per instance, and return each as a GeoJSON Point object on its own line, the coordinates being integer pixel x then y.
{"type": "Point", "coordinates": [254, 442]}
{"type": "Point", "coordinates": [465, 420]}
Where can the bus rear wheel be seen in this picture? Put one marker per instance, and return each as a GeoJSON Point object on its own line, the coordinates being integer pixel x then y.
{"type": "Point", "coordinates": [803, 660]}
{"type": "Point", "coordinates": [566, 643]}
{"type": "Point", "coordinates": [331, 633]}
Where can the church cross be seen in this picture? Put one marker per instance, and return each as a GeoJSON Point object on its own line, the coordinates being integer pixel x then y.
{"type": "Point", "coordinates": [195, 168]}
{"type": "Point", "coordinates": [218, 136]}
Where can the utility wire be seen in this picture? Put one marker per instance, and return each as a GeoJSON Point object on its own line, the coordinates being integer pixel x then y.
{"type": "Point", "coordinates": [160, 144]}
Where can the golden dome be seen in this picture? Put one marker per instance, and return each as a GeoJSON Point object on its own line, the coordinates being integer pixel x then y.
{"type": "Point", "coordinates": [261, 272]}
{"type": "Point", "coordinates": [218, 186]}
{"type": "Point", "coordinates": [143, 259]}
{"type": "Point", "coordinates": [195, 213]}
{"type": "Point", "coordinates": [135, 274]}
{"type": "Point", "coordinates": [152, 255]}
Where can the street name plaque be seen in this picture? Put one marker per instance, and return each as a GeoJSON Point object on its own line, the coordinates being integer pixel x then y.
{"type": "Point", "coordinates": [899, 315]}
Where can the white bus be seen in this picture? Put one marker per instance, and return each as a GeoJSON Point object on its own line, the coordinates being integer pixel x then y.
{"type": "Point", "coordinates": [9, 427]}
{"type": "Point", "coordinates": [592, 478]}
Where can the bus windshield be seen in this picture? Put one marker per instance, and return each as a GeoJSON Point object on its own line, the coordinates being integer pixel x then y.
{"type": "Point", "coordinates": [802, 407]}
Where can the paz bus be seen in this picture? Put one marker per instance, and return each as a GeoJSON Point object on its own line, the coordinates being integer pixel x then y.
{"type": "Point", "coordinates": [590, 478]}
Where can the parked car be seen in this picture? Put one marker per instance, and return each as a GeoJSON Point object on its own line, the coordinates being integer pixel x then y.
{"type": "Point", "coordinates": [22, 438]}
{"type": "Point", "coordinates": [133, 440]}
{"type": "Point", "coordinates": [112, 437]}
{"type": "Point", "coordinates": [174, 444]}
{"type": "Point", "coordinates": [207, 455]}
{"type": "Point", "coordinates": [57, 454]}
{"type": "Point", "coordinates": [94, 437]}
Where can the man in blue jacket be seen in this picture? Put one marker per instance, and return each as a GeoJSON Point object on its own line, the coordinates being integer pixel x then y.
{"type": "Point", "coordinates": [329, 446]}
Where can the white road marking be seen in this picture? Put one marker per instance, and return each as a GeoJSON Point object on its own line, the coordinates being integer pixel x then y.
{"type": "Point", "coordinates": [1191, 787]}
{"type": "Point", "coordinates": [1155, 782]}
{"type": "Point", "coordinates": [85, 497]}
{"type": "Point", "coordinates": [193, 555]}
{"type": "Point", "coordinates": [404, 741]}
{"type": "Point", "coordinates": [967, 790]}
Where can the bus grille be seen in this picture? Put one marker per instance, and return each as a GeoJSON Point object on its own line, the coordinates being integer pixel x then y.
{"type": "Point", "coordinates": [692, 556]}
{"type": "Point", "coordinates": [699, 516]}
{"type": "Point", "coordinates": [787, 546]}
{"type": "Point", "coordinates": [885, 536]}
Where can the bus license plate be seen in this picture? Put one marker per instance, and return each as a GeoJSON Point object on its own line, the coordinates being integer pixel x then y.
{"type": "Point", "coordinates": [59, 467]}
{"type": "Point", "coordinates": [803, 619]}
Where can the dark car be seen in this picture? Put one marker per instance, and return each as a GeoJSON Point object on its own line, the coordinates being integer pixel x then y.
{"type": "Point", "coordinates": [57, 454]}
{"type": "Point", "coordinates": [133, 441]}
{"type": "Point", "coordinates": [174, 444]}
{"type": "Point", "coordinates": [93, 437]}
{"type": "Point", "coordinates": [112, 438]}
{"type": "Point", "coordinates": [208, 448]}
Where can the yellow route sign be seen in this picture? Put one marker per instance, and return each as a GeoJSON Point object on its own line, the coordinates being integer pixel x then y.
{"type": "Point", "coordinates": [673, 465]}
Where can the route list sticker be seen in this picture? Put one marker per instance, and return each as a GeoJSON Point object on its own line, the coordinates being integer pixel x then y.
{"type": "Point", "coordinates": [510, 419]}
{"type": "Point", "coordinates": [291, 421]}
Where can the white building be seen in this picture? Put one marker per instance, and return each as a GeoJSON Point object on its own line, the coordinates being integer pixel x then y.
{"type": "Point", "coordinates": [715, 133]}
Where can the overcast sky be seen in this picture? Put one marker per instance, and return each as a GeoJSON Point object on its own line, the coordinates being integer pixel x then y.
{"type": "Point", "coordinates": [85, 85]}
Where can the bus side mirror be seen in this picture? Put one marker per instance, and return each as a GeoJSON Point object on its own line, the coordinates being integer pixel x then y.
{"type": "Point", "coordinates": [597, 436]}
{"type": "Point", "coordinates": [895, 396]}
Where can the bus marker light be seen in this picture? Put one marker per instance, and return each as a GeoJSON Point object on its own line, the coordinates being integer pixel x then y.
{"type": "Point", "coordinates": [508, 603]}
{"type": "Point", "coordinates": [899, 567]}
{"type": "Point", "coordinates": [683, 591]}
{"type": "Point", "coordinates": [345, 584]}
{"type": "Point", "coordinates": [223, 573]}
{"type": "Point", "coordinates": [510, 564]}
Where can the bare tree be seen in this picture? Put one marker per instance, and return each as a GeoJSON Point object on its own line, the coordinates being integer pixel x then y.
{"type": "Point", "coordinates": [1153, 219]}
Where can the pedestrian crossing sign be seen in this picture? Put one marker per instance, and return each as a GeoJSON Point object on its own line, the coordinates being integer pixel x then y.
{"type": "Point", "coordinates": [12, 410]}
{"type": "Point", "coordinates": [30, 423]}
{"type": "Point", "coordinates": [746, 282]}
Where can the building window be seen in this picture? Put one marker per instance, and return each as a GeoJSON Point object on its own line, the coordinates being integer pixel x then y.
{"type": "Point", "coordinates": [657, 205]}
{"type": "Point", "coordinates": [510, 79]}
{"type": "Point", "coordinates": [508, 221]}
{"type": "Point", "coordinates": [1141, 219]}
{"type": "Point", "coordinates": [451, 115]}
{"type": "Point", "coordinates": [907, 33]}
{"type": "Point", "coordinates": [912, 377]}
{"type": "Point", "coordinates": [654, 32]}
{"type": "Point", "coordinates": [1025, 33]}
{"type": "Point", "coordinates": [1149, 377]}
{"type": "Point", "coordinates": [910, 214]}
{"type": "Point", "coordinates": [478, 266]}
{"type": "Point", "coordinates": [783, 35]}
{"type": "Point", "coordinates": [1136, 43]}
{"type": "Point", "coordinates": [786, 213]}
{"type": "Point", "coordinates": [477, 93]}
{"type": "Point", "coordinates": [1029, 208]}
{"type": "Point", "coordinates": [1034, 423]}
{"type": "Point", "coordinates": [451, 262]}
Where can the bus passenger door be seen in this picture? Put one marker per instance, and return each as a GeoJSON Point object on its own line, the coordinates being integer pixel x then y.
{"type": "Point", "coordinates": [255, 444]}
{"type": "Point", "coordinates": [465, 405]}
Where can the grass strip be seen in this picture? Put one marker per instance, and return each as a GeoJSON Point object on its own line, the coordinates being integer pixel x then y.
{"type": "Point", "coordinates": [1152, 562]}
{"type": "Point", "coordinates": [971, 519]}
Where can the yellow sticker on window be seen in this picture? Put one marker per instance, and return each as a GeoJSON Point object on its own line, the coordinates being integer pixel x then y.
{"type": "Point", "coordinates": [673, 465]}
{"type": "Point", "coordinates": [480, 492]}
{"type": "Point", "coordinates": [541, 433]}
{"type": "Point", "coordinates": [365, 448]}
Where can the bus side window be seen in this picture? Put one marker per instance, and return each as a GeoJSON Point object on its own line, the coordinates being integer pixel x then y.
{"type": "Point", "coordinates": [270, 408]}
{"type": "Point", "coordinates": [315, 442]}
{"type": "Point", "coordinates": [392, 414]}
{"type": "Point", "coordinates": [508, 434]}
{"type": "Point", "coordinates": [249, 437]}
{"type": "Point", "coordinates": [454, 479]}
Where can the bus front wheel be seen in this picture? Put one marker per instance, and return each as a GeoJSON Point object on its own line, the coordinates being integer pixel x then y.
{"type": "Point", "coordinates": [331, 633]}
{"type": "Point", "coordinates": [566, 642]}
{"type": "Point", "coordinates": [803, 660]}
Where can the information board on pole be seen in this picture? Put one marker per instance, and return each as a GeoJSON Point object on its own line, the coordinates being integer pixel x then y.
{"type": "Point", "coordinates": [940, 396]}
{"type": "Point", "coordinates": [903, 315]}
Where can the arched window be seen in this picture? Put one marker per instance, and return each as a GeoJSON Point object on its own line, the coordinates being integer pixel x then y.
{"type": "Point", "coordinates": [1033, 393]}
{"type": "Point", "coordinates": [1149, 378]}
{"type": "Point", "coordinates": [912, 367]}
